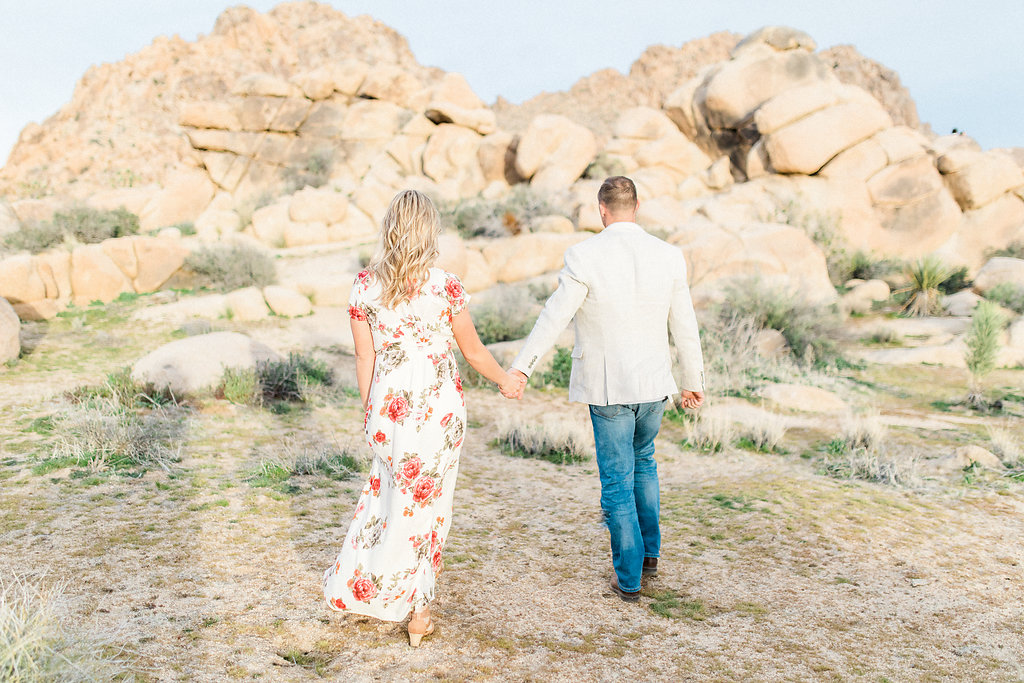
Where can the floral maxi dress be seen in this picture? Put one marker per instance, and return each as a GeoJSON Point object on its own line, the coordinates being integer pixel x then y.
{"type": "Point", "coordinates": [414, 423]}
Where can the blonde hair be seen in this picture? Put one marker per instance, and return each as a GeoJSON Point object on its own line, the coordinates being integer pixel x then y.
{"type": "Point", "coordinates": [408, 246]}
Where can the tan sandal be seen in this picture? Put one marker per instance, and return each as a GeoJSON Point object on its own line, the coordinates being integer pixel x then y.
{"type": "Point", "coordinates": [415, 637]}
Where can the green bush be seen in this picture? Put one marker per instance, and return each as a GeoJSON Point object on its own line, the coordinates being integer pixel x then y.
{"type": "Point", "coordinates": [290, 379]}
{"type": "Point", "coordinates": [1012, 250]}
{"type": "Point", "coordinates": [958, 280]}
{"type": "Point", "coordinates": [982, 345]}
{"type": "Point", "coordinates": [90, 226]}
{"type": "Point", "coordinates": [240, 385]}
{"type": "Point", "coordinates": [561, 368]}
{"type": "Point", "coordinates": [502, 217]}
{"type": "Point", "coordinates": [843, 267]}
{"type": "Point", "coordinates": [225, 268]}
{"type": "Point", "coordinates": [604, 166]}
{"type": "Point", "coordinates": [1009, 295]}
{"type": "Point", "coordinates": [810, 330]}
{"type": "Point", "coordinates": [509, 313]}
{"type": "Point", "coordinates": [35, 237]}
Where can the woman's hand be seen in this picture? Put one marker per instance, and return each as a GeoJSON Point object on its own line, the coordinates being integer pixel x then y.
{"type": "Point", "coordinates": [512, 384]}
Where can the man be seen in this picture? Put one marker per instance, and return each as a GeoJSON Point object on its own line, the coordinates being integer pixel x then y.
{"type": "Point", "coordinates": [625, 289]}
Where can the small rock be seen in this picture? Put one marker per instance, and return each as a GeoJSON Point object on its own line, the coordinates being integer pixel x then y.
{"type": "Point", "coordinates": [965, 456]}
{"type": "Point", "coordinates": [247, 304]}
{"type": "Point", "coordinates": [918, 582]}
{"type": "Point", "coordinates": [287, 302]}
{"type": "Point", "coordinates": [961, 303]}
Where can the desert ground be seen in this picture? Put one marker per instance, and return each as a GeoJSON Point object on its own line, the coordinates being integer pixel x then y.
{"type": "Point", "coordinates": [771, 568]}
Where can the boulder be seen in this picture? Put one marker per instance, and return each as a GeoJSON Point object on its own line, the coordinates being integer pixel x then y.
{"type": "Point", "coordinates": [901, 143]}
{"type": "Point", "coordinates": [559, 224]}
{"type": "Point", "coordinates": [451, 158]}
{"type": "Point", "coordinates": [95, 276]}
{"type": "Point", "coordinates": [527, 255]}
{"type": "Point", "coordinates": [644, 123]}
{"type": "Point", "coordinates": [221, 115]}
{"type": "Point", "coordinates": [479, 273]}
{"type": "Point", "coordinates": [122, 253]}
{"type": "Point", "coordinates": [961, 303]}
{"type": "Point", "coordinates": [734, 90]}
{"type": "Point", "coordinates": [675, 152]}
{"type": "Point", "coordinates": [803, 398]}
{"type": "Point", "coordinates": [303, 234]}
{"type": "Point", "coordinates": [779, 38]}
{"type": "Point", "coordinates": [719, 174]}
{"type": "Point", "coordinates": [859, 162]}
{"type": "Point", "coordinates": [10, 330]}
{"type": "Point", "coordinates": [269, 223]}
{"type": "Point", "coordinates": [186, 193]}
{"type": "Point", "coordinates": [8, 219]}
{"type": "Point", "coordinates": [984, 180]}
{"type": "Point", "coordinates": [392, 83]}
{"type": "Point", "coordinates": [214, 223]}
{"type": "Point", "coordinates": [55, 270]}
{"type": "Point", "coordinates": [371, 120]}
{"type": "Point", "coordinates": [997, 224]}
{"type": "Point", "coordinates": [861, 297]}
{"type": "Point", "coordinates": [158, 259]}
{"type": "Point", "coordinates": [20, 281]}
{"type": "Point", "coordinates": [770, 343]}
{"type": "Point", "coordinates": [453, 101]}
{"type": "Point", "coordinates": [326, 119]}
{"type": "Point", "coordinates": [965, 456]}
{"type": "Point", "coordinates": [998, 270]}
{"type": "Point", "coordinates": [266, 85]}
{"type": "Point", "coordinates": [554, 151]}
{"type": "Point", "coordinates": [247, 304]}
{"type": "Point", "coordinates": [794, 104]}
{"type": "Point", "coordinates": [318, 205]}
{"type": "Point", "coordinates": [286, 302]}
{"type": "Point", "coordinates": [809, 143]}
{"type": "Point", "coordinates": [44, 309]}
{"type": "Point", "coordinates": [910, 199]}
{"type": "Point", "coordinates": [195, 364]}
{"type": "Point", "coordinates": [452, 254]}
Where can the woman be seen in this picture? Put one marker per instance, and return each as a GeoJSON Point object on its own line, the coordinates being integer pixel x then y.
{"type": "Point", "coordinates": [404, 315]}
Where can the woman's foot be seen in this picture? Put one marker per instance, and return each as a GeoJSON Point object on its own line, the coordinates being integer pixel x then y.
{"type": "Point", "coordinates": [419, 626]}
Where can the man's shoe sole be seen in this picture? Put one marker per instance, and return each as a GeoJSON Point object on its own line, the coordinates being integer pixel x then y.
{"type": "Point", "coordinates": [626, 597]}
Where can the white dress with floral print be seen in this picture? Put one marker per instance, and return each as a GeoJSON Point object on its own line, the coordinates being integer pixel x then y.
{"type": "Point", "coordinates": [415, 423]}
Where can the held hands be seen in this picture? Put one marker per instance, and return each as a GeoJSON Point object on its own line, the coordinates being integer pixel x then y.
{"type": "Point", "coordinates": [689, 399]}
{"type": "Point", "coordinates": [513, 384]}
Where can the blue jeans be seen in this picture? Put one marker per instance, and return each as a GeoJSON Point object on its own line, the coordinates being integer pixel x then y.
{"type": "Point", "coordinates": [624, 438]}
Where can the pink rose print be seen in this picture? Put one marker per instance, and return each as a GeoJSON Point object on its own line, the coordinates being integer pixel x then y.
{"type": "Point", "coordinates": [375, 485]}
{"type": "Point", "coordinates": [356, 313]}
{"type": "Point", "coordinates": [446, 419]}
{"type": "Point", "coordinates": [458, 383]}
{"type": "Point", "coordinates": [380, 437]}
{"type": "Point", "coordinates": [411, 468]}
{"type": "Point", "coordinates": [363, 276]}
{"type": "Point", "coordinates": [453, 288]}
{"type": "Point", "coordinates": [424, 487]}
{"type": "Point", "coordinates": [436, 561]}
{"type": "Point", "coordinates": [338, 604]}
{"type": "Point", "coordinates": [363, 590]}
{"type": "Point", "coordinates": [398, 409]}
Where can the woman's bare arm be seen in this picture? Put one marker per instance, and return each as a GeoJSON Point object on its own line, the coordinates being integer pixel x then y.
{"type": "Point", "coordinates": [480, 359]}
{"type": "Point", "coordinates": [365, 357]}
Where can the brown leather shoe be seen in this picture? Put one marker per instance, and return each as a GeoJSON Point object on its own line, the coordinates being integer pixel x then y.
{"type": "Point", "coordinates": [650, 566]}
{"type": "Point", "coordinates": [625, 595]}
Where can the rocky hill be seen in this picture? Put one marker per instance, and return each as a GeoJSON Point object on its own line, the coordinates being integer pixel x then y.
{"type": "Point", "coordinates": [295, 128]}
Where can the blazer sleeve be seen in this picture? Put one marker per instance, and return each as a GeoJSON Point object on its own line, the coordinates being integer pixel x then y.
{"type": "Point", "coordinates": [682, 322]}
{"type": "Point", "coordinates": [558, 312]}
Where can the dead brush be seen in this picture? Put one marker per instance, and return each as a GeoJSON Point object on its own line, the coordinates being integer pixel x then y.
{"type": "Point", "coordinates": [711, 432]}
{"type": "Point", "coordinates": [555, 440]}
{"type": "Point", "coordinates": [867, 465]}
{"type": "Point", "coordinates": [865, 431]}
{"type": "Point", "coordinates": [766, 432]}
{"type": "Point", "coordinates": [36, 643]}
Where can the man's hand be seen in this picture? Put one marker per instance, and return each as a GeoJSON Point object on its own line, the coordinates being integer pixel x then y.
{"type": "Point", "coordinates": [514, 385]}
{"type": "Point", "coordinates": [689, 399]}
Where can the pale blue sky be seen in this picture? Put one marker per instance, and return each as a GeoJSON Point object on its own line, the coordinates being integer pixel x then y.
{"type": "Point", "coordinates": [963, 62]}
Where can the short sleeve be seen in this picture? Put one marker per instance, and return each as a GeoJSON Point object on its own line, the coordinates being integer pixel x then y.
{"type": "Point", "coordinates": [355, 299]}
{"type": "Point", "coordinates": [456, 294]}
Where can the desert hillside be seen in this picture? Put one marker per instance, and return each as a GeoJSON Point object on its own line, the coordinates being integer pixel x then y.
{"type": "Point", "coordinates": [183, 449]}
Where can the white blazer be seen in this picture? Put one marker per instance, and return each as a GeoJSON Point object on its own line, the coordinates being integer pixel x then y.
{"type": "Point", "coordinates": [625, 289]}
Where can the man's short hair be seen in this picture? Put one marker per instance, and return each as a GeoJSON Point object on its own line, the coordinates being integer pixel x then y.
{"type": "Point", "coordinates": [618, 193]}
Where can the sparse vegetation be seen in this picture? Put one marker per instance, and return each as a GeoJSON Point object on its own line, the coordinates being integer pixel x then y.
{"type": "Point", "coordinates": [314, 173]}
{"type": "Point", "coordinates": [36, 643]}
{"type": "Point", "coordinates": [240, 385]}
{"type": "Point", "coordinates": [561, 369]}
{"type": "Point", "coordinates": [310, 457]}
{"type": "Point", "coordinates": [865, 431]}
{"type": "Point", "coordinates": [291, 379]}
{"type": "Point", "coordinates": [871, 466]}
{"type": "Point", "coordinates": [982, 347]}
{"type": "Point", "coordinates": [809, 329]}
{"type": "Point", "coordinates": [35, 237]}
{"type": "Point", "coordinates": [604, 166]}
{"type": "Point", "coordinates": [554, 440]}
{"type": "Point", "coordinates": [509, 313]}
{"type": "Point", "coordinates": [862, 265]}
{"type": "Point", "coordinates": [957, 280]}
{"type": "Point", "coordinates": [922, 296]}
{"type": "Point", "coordinates": [1007, 445]}
{"type": "Point", "coordinates": [764, 433]}
{"type": "Point", "coordinates": [710, 432]}
{"type": "Point", "coordinates": [502, 217]}
{"type": "Point", "coordinates": [224, 268]}
{"type": "Point", "coordinates": [1012, 250]}
{"type": "Point", "coordinates": [672, 605]}
{"type": "Point", "coordinates": [1007, 295]}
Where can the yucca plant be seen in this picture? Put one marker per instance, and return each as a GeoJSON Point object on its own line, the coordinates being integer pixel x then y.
{"type": "Point", "coordinates": [924, 296]}
{"type": "Point", "coordinates": [982, 346]}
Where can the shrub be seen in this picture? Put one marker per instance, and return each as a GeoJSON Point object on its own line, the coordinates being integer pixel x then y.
{"type": "Point", "coordinates": [1009, 295]}
{"type": "Point", "coordinates": [958, 280]}
{"type": "Point", "coordinates": [316, 456]}
{"type": "Point", "coordinates": [604, 166]}
{"type": "Point", "coordinates": [240, 385]}
{"type": "Point", "coordinates": [1006, 445]}
{"type": "Point", "coordinates": [554, 439]}
{"type": "Point", "coordinates": [1013, 250]}
{"type": "Point", "coordinates": [226, 268]}
{"type": "Point", "coordinates": [765, 432]}
{"type": "Point", "coordinates": [314, 173]}
{"type": "Point", "coordinates": [710, 432]}
{"type": "Point", "coordinates": [863, 266]}
{"type": "Point", "coordinates": [507, 314]}
{"type": "Point", "coordinates": [102, 435]}
{"type": "Point", "coordinates": [809, 329]}
{"type": "Point", "coordinates": [868, 465]}
{"type": "Point", "coordinates": [122, 392]}
{"type": "Point", "coordinates": [982, 345]}
{"type": "Point", "coordinates": [290, 379]}
{"type": "Point", "coordinates": [89, 225]}
{"type": "Point", "coordinates": [36, 643]}
{"type": "Point", "coordinates": [923, 295]}
{"type": "Point", "coordinates": [502, 217]}
{"type": "Point", "coordinates": [561, 368]}
{"type": "Point", "coordinates": [862, 431]}
{"type": "Point", "coordinates": [35, 237]}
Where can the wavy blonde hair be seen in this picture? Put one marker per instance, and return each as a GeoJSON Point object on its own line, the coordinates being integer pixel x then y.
{"type": "Point", "coordinates": [408, 246]}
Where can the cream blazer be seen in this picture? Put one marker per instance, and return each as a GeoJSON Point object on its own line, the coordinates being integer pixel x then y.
{"type": "Point", "coordinates": [625, 289]}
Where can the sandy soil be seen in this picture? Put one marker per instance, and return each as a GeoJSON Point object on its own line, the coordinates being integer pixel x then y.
{"type": "Point", "coordinates": [777, 571]}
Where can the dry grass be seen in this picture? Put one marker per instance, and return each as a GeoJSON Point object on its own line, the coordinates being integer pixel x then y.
{"type": "Point", "coordinates": [1006, 444]}
{"type": "Point", "coordinates": [710, 432]}
{"type": "Point", "coordinates": [765, 432]}
{"type": "Point", "coordinates": [36, 643]}
{"type": "Point", "coordinates": [865, 431]}
{"type": "Point", "coordinates": [552, 439]}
